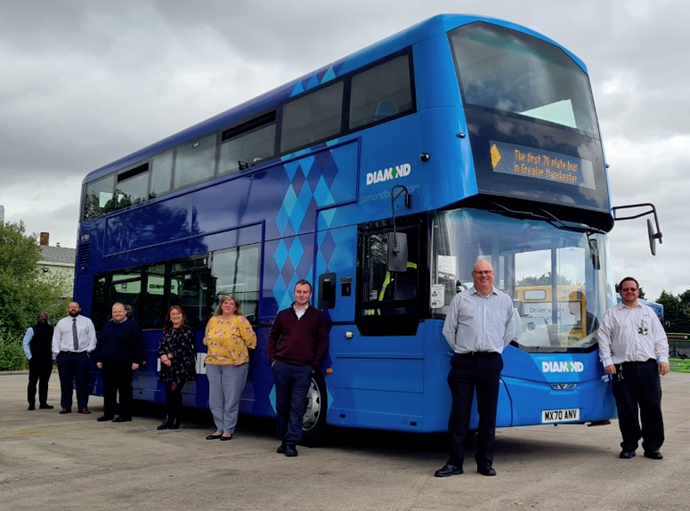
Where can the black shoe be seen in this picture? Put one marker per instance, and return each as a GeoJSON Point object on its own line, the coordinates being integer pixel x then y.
{"type": "Point", "coordinates": [32, 407]}
{"type": "Point", "coordinates": [281, 449]}
{"type": "Point", "coordinates": [486, 470]}
{"type": "Point", "coordinates": [448, 470]}
{"type": "Point", "coordinates": [122, 418]}
{"type": "Point", "coordinates": [213, 437]}
{"type": "Point", "coordinates": [653, 455]}
{"type": "Point", "coordinates": [166, 424]}
{"type": "Point", "coordinates": [175, 423]}
{"type": "Point", "coordinates": [626, 455]}
{"type": "Point", "coordinates": [290, 451]}
{"type": "Point", "coordinates": [104, 418]}
{"type": "Point", "coordinates": [225, 438]}
{"type": "Point", "coordinates": [46, 406]}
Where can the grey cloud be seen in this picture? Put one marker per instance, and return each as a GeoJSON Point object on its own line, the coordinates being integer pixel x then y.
{"type": "Point", "coordinates": [87, 82]}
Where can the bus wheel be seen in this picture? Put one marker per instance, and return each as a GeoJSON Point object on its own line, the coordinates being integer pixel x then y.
{"type": "Point", "coordinates": [314, 420]}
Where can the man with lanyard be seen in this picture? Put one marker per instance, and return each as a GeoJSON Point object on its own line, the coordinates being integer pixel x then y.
{"type": "Point", "coordinates": [479, 324]}
{"type": "Point", "coordinates": [38, 349]}
{"type": "Point", "coordinates": [296, 346]}
{"type": "Point", "coordinates": [74, 338]}
{"type": "Point", "coordinates": [633, 349]}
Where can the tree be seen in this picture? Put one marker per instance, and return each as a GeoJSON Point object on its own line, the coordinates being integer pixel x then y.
{"type": "Point", "coordinates": [23, 293]}
{"type": "Point", "coordinates": [544, 280]}
{"type": "Point", "coordinates": [676, 311]}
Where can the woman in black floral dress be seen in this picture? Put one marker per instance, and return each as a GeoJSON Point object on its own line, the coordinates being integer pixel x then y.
{"type": "Point", "coordinates": [178, 364]}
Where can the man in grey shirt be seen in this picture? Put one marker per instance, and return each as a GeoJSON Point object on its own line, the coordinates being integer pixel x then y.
{"type": "Point", "coordinates": [479, 324]}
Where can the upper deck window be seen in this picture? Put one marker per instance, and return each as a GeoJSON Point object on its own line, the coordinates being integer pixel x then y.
{"type": "Point", "coordinates": [381, 92]}
{"type": "Point", "coordinates": [248, 144]}
{"type": "Point", "coordinates": [504, 70]}
{"type": "Point", "coordinates": [195, 161]}
{"type": "Point", "coordinates": [161, 174]}
{"type": "Point", "coordinates": [99, 195]}
{"type": "Point", "coordinates": [132, 186]}
{"type": "Point", "coordinates": [313, 117]}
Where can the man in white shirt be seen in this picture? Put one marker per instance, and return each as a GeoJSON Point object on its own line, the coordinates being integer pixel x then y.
{"type": "Point", "coordinates": [479, 324]}
{"type": "Point", "coordinates": [74, 338]}
{"type": "Point", "coordinates": [633, 349]}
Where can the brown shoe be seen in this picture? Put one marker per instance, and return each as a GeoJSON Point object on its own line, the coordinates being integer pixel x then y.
{"type": "Point", "coordinates": [65, 410]}
{"type": "Point", "coordinates": [85, 411]}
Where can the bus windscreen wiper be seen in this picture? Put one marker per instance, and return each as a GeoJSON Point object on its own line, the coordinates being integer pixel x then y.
{"type": "Point", "coordinates": [546, 216]}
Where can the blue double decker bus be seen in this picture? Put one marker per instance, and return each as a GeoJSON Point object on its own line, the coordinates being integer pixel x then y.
{"type": "Point", "coordinates": [381, 178]}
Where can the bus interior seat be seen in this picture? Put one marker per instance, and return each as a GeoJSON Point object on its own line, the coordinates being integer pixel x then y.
{"type": "Point", "coordinates": [385, 108]}
{"type": "Point", "coordinates": [406, 285]}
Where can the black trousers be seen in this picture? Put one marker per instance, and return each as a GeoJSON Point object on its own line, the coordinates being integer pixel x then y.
{"type": "Point", "coordinates": [637, 389]}
{"type": "Point", "coordinates": [467, 373]}
{"type": "Point", "coordinates": [73, 369]}
{"type": "Point", "coordinates": [117, 380]}
{"type": "Point", "coordinates": [40, 369]}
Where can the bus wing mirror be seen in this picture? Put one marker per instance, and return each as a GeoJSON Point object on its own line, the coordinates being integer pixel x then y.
{"type": "Point", "coordinates": [594, 253]}
{"type": "Point", "coordinates": [396, 259]}
{"type": "Point", "coordinates": [652, 237]}
{"type": "Point", "coordinates": [653, 230]}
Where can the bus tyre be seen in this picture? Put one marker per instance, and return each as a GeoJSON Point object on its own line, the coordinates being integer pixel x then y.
{"type": "Point", "coordinates": [314, 420]}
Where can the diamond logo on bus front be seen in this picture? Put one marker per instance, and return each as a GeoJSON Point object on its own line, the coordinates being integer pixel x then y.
{"type": "Point", "coordinates": [562, 367]}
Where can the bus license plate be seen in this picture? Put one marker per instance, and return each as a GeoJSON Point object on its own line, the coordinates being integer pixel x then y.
{"type": "Point", "coordinates": [566, 415]}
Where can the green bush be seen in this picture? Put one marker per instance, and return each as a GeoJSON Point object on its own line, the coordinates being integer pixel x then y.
{"type": "Point", "coordinates": [12, 356]}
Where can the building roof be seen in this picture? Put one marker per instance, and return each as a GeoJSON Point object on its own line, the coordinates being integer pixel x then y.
{"type": "Point", "coordinates": [59, 255]}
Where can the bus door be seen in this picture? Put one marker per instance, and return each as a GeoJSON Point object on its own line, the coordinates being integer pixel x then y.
{"type": "Point", "coordinates": [376, 345]}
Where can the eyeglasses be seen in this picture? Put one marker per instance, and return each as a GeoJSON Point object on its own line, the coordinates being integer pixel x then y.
{"type": "Point", "coordinates": [629, 289]}
{"type": "Point", "coordinates": [484, 272]}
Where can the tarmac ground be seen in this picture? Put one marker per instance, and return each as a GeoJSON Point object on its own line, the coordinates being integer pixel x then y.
{"type": "Point", "coordinates": [72, 462]}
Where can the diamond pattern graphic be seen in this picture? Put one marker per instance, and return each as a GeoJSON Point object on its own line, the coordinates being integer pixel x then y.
{"type": "Point", "coordinates": [313, 82]}
{"type": "Point", "coordinates": [281, 254]}
{"type": "Point", "coordinates": [298, 181]}
{"type": "Point", "coordinates": [309, 183]}
{"type": "Point", "coordinates": [296, 252]}
{"type": "Point", "coordinates": [322, 194]}
{"type": "Point", "coordinates": [327, 247]}
{"type": "Point", "coordinates": [306, 164]}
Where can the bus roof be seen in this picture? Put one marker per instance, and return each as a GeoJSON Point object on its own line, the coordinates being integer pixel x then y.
{"type": "Point", "coordinates": [427, 29]}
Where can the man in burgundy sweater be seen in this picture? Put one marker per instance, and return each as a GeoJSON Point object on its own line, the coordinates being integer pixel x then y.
{"type": "Point", "coordinates": [296, 346]}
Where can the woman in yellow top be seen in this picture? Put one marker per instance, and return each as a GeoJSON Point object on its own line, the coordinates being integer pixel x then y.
{"type": "Point", "coordinates": [228, 337]}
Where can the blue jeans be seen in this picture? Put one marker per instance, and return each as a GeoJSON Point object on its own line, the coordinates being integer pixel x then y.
{"type": "Point", "coordinates": [292, 384]}
{"type": "Point", "coordinates": [225, 386]}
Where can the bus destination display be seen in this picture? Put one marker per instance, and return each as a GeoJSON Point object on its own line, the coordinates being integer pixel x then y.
{"type": "Point", "coordinates": [539, 164]}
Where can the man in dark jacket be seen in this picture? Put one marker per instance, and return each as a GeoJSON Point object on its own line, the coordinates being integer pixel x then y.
{"type": "Point", "coordinates": [38, 349]}
{"type": "Point", "coordinates": [296, 346]}
{"type": "Point", "coordinates": [118, 353]}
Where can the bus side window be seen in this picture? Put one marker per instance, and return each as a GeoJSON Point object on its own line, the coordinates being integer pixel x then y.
{"type": "Point", "coordinates": [383, 293]}
{"type": "Point", "coordinates": [383, 287]}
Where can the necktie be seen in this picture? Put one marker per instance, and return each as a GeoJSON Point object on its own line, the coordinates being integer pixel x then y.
{"type": "Point", "coordinates": [75, 337]}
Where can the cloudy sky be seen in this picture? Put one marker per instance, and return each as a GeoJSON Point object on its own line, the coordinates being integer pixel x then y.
{"type": "Point", "coordinates": [85, 82]}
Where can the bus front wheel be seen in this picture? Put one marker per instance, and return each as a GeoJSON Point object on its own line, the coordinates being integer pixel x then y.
{"type": "Point", "coordinates": [314, 420]}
